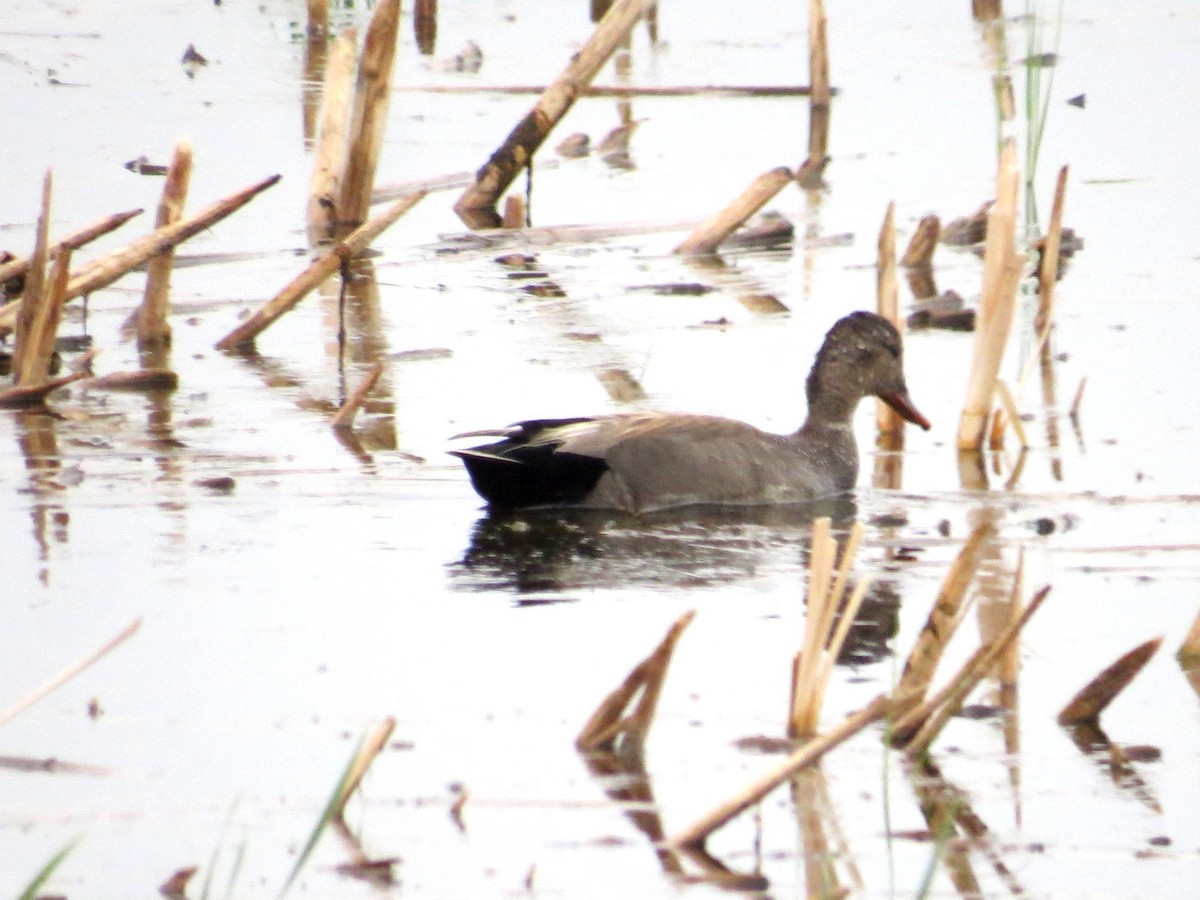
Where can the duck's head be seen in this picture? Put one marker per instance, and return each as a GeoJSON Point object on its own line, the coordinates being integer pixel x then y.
{"type": "Point", "coordinates": [861, 357]}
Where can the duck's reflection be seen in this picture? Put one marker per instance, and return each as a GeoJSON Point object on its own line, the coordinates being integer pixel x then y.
{"type": "Point", "coordinates": [555, 550]}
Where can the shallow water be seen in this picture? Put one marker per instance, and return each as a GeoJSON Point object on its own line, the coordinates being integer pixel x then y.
{"type": "Point", "coordinates": [337, 584]}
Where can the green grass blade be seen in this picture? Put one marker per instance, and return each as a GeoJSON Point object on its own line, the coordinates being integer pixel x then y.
{"type": "Point", "coordinates": [327, 815]}
{"type": "Point", "coordinates": [43, 875]}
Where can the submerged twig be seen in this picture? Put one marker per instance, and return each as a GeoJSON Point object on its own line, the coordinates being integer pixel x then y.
{"type": "Point", "coordinates": [345, 416]}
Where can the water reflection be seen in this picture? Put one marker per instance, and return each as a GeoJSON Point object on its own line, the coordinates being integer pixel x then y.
{"type": "Point", "coordinates": [561, 550]}
{"type": "Point", "coordinates": [37, 439]}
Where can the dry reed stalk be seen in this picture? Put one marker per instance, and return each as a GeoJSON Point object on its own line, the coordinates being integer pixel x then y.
{"type": "Point", "coordinates": [153, 329]}
{"type": "Point", "coordinates": [810, 753]}
{"type": "Point", "coordinates": [887, 296]}
{"type": "Point", "coordinates": [609, 721]}
{"type": "Point", "coordinates": [35, 363]}
{"type": "Point", "coordinates": [329, 160]}
{"type": "Point", "coordinates": [986, 10]}
{"type": "Point", "coordinates": [370, 749]}
{"type": "Point", "coordinates": [1189, 651]}
{"type": "Point", "coordinates": [922, 244]}
{"type": "Point", "coordinates": [425, 25]}
{"type": "Point", "coordinates": [138, 380]}
{"type": "Point", "coordinates": [108, 269]}
{"type": "Point", "coordinates": [1006, 415]}
{"type": "Point", "coordinates": [821, 644]}
{"type": "Point", "coordinates": [36, 394]}
{"type": "Point", "coordinates": [369, 117]}
{"type": "Point", "coordinates": [943, 619]}
{"type": "Point", "coordinates": [1002, 274]}
{"type": "Point", "coordinates": [70, 672]}
{"type": "Point", "coordinates": [819, 98]}
{"type": "Point", "coordinates": [342, 252]}
{"type": "Point", "coordinates": [318, 17]}
{"type": "Point", "coordinates": [73, 241]}
{"type": "Point", "coordinates": [514, 212]}
{"type": "Point", "coordinates": [1078, 401]}
{"type": "Point", "coordinates": [345, 415]}
{"type": "Point", "coordinates": [32, 308]}
{"type": "Point", "coordinates": [476, 205]}
{"type": "Point", "coordinates": [931, 717]}
{"type": "Point", "coordinates": [709, 235]}
{"type": "Point", "coordinates": [1086, 706]}
{"type": "Point", "coordinates": [1048, 271]}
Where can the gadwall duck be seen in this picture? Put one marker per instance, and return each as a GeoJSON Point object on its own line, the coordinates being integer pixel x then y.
{"type": "Point", "coordinates": [646, 461]}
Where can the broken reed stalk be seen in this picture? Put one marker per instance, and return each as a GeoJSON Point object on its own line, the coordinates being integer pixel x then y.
{"type": "Point", "coordinates": [919, 252]}
{"type": "Point", "coordinates": [72, 241]}
{"type": "Point", "coordinates": [1086, 706]}
{"type": "Point", "coordinates": [318, 271]}
{"type": "Point", "coordinates": [1188, 653]}
{"type": "Point", "coordinates": [887, 296]}
{"type": "Point", "coordinates": [1006, 414]}
{"type": "Point", "coordinates": [153, 329]}
{"type": "Point", "coordinates": [369, 118]}
{"type": "Point", "coordinates": [324, 188]}
{"type": "Point", "coordinates": [345, 415]}
{"type": "Point", "coordinates": [476, 205]}
{"type": "Point", "coordinates": [943, 619]}
{"type": "Point", "coordinates": [810, 753]}
{"type": "Point", "coordinates": [918, 728]}
{"type": "Point", "coordinates": [70, 672]}
{"type": "Point", "coordinates": [108, 269]}
{"type": "Point", "coordinates": [821, 643]}
{"type": "Point", "coordinates": [44, 335]}
{"type": "Point", "coordinates": [609, 721]}
{"type": "Point", "coordinates": [708, 236]}
{"type": "Point", "coordinates": [366, 755]}
{"type": "Point", "coordinates": [33, 309]}
{"type": "Point", "coordinates": [1048, 272]}
{"type": "Point", "coordinates": [1001, 276]}
{"type": "Point", "coordinates": [819, 98]}
{"type": "Point", "coordinates": [318, 17]}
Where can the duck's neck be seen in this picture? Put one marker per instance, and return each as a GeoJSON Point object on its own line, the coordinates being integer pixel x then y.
{"type": "Point", "coordinates": [829, 408]}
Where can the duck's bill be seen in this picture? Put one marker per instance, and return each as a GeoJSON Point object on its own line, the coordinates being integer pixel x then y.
{"type": "Point", "coordinates": [900, 402]}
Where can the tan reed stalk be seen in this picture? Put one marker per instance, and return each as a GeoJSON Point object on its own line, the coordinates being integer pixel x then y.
{"type": "Point", "coordinates": [1189, 651]}
{"type": "Point", "coordinates": [708, 236]}
{"type": "Point", "coordinates": [1002, 273]}
{"type": "Point", "coordinates": [922, 244]}
{"type": "Point", "coordinates": [43, 336]}
{"type": "Point", "coordinates": [70, 672]}
{"type": "Point", "coordinates": [820, 96]}
{"type": "Point", "coordinates": [943, 619]}
{"type": "Point", "coordinates": [73, 241]}
{"type": "Point", "coordinates": [1078, 401]}
{"type": "Point", "coordinates": [32, 308]}
{"type": "Point", "coordinates": [1086, 706]}
{"type": "Point", "coordinates": [1007, 414]}
{"type": "Point", "coordinates": [695, 835]}
{"type": "Point", "coordinates": [609, 722]}
{"type": "Point", "coordinates": [318, 17]}
{"type": "Point", "coordinates": [367, 753]}
{"type": "Point", "coordinates": [514, 212]}
{"type": "Point", "coordinates": [821, 642]}
{"type": "Point", "coordinates": [320, 269]}
{"type": "Point", "coordinates": [476, 205]}
{"type": "Point", "coordinates": [425, 21]}
{"type": "Point", "coordinates": [153, 329]}
{"type": "Point", "coordinates": [1048, 272]}
{"type": "Point", "coordinates": [108, 269]}
{"type": "Point", "coordinates": [36, 394]}
{"type": "Point", "coordinates": [345, 416]}
{"type": "Point", "coordinates": [966, 680]}
{"type": "Point", "coordinates": [329, 160]}
{"type": "Point", "coordinates": [368, 120]}
{"type": "Point", "coordinates": [887, 296]}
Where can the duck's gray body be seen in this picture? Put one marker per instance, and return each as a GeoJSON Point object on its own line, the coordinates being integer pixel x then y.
{"type": "Point", "coordinates": [645, 461]}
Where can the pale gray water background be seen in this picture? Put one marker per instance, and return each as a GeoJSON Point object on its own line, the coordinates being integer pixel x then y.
{"type": "Point", "coordinates": [329, 590]}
